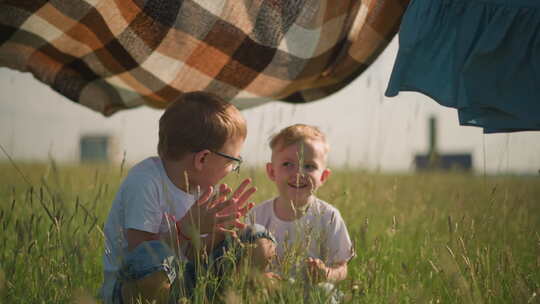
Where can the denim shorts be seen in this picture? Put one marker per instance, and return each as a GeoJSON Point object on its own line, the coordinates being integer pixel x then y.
{"type": "Point", "coordinates": [153, 256]}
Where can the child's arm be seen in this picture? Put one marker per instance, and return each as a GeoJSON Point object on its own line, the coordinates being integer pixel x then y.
{"type": "Point", "coordinates": [135, 237]}
{"type": "Point", "coordinates": [319, 272]}
{"type": "Point", "coordinates": [208, 216]}
{"type": "Point", "coordinates": [204, 218]}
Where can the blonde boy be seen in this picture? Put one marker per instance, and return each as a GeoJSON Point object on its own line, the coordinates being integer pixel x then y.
{"type": "Point", "coordinates": [296, 217]}
{"type": "Point", "coordinates": [200, 138]}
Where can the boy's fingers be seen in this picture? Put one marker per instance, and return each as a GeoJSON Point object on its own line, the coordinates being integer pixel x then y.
{"type": "Point", "coordinates": [204, 198]}
{"type": "Point", "coordinates": [245, 196]}
{"type": "Point", "coordinates": [240, 203]}
{"type": "Point", "coordinates": [241, 188]}
{"type": "Point", "coordinates": [235, 223]}
{"type": "Point", "coordinates": [239, 224]}
{"type": "Point", "coordinates": [217, 200]}
{"type": "Point", "coordinates": [245, 210]}
{"type": "Point", "coordinates": [224, 190]}
{"type": "Point", "coordinates": [229, 231]}
{"type": "Point", "coordinates": [221, 196]}
{"type": "Point", "coordinates": [227, 218]}
{"type": "Point", "coordinates": [217, 208]}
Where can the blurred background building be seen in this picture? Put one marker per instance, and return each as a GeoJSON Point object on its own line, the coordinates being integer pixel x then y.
{"type": "Point", "coordinates": [438, 160]}
{"type": "Point", "coordinates": [97, 148]}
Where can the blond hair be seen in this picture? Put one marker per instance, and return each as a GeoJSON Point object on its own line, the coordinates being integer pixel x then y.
{"type": "Point", "coordinates": [295, 134]}
{"type": "Point", "coordinates": [198, 121]}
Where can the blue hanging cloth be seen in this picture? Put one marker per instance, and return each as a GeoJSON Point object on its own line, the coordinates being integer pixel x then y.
{"type": "Point", "coordinates": [481, 57]}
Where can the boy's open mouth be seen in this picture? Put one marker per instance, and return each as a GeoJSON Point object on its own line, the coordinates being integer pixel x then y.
{"type": "Point", "coordinates": [297, 185]}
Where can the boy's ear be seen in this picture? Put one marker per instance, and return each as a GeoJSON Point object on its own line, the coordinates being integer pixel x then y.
{"type": "Point", "coordinates": [325, 175]}
{"type": "Point", "coordinates": [270, 171]}
{"type": "Point", "coordinates": [200, 159]}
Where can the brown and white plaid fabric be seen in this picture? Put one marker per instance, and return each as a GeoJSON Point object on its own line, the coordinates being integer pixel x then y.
{"type": "Point", "coordinates": [110, 55]}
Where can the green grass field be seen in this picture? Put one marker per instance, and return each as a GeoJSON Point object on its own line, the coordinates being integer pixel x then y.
{"type": "Point", "coordinates": [429, 238]}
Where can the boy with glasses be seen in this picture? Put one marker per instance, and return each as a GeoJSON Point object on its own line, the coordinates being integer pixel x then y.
{"type": "Point", "coordinates": [167, 210]}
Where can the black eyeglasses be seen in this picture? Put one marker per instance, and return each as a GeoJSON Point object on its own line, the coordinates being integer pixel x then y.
{"type": "Point", "coordinates": [238, 160]}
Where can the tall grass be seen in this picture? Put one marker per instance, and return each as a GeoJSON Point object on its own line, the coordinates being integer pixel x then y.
{"type": "Point", "coordinates": [427, 238]}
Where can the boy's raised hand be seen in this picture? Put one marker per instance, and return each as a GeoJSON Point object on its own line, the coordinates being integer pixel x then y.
{"type": "Point", "coordinates": [211, 213]}
{"type": "Point", "coordinates": [239, 202]}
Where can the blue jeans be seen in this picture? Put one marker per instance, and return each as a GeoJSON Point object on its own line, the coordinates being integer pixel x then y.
{"type": "Point", "coordinates": [153, 256]}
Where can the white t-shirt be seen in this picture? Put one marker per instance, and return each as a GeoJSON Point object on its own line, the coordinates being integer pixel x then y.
{"type": "Point", "coordinates": [321, 233]}
{"type": "Point", "coordinates": [142, 201]}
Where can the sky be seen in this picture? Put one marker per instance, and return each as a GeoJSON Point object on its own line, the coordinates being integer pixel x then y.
{"type": "Point", "coordinates": [365, 129]}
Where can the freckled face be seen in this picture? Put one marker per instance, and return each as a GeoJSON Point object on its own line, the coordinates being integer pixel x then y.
{"type": "Point", "coordinates": [298, 170]}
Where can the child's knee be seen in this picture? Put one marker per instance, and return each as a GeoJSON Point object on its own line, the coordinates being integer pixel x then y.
{"type": "Point", "coordinates": [254, 232]}
{"type": "Point", "coordinates": [262, 249]}
{"type": "Point", "coordinates": [154, 287]}
{"type": "Point", "coordinates": [147, 273]}
{"type": "Point", "coordinates": [263, 253]}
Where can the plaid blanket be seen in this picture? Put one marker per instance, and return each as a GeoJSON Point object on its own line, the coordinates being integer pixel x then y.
{"type": "Point", "coordinates": [115, 54]}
